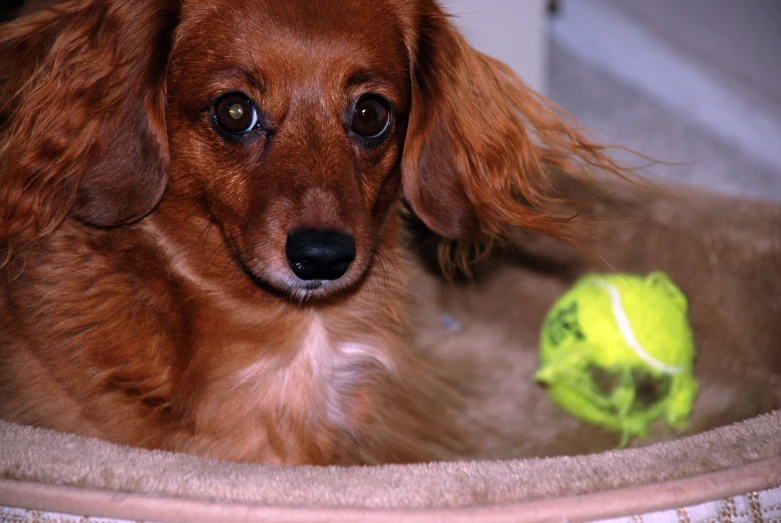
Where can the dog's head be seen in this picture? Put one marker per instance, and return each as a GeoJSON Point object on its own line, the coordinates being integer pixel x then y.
{"type": "Point", "coordinates": [288, 120]}
{"type": "Point", "coordinates": [294, 125]}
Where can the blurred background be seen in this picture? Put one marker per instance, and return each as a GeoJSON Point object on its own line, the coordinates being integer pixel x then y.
{"type": "Point", "coordinates": [696, 83]}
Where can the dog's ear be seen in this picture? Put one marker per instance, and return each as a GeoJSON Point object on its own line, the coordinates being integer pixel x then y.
{"type": "Point", "coordinates": [482, 148]}
{"type": "Point", "coordinates": [82, 114]}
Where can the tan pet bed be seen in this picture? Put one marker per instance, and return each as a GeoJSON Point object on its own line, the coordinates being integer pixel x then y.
{"type": "Point", "coordinates": [538, 463]}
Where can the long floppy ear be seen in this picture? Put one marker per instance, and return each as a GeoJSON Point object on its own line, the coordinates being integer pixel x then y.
{"type": "Point", "coordinates": [82, 121]}
{"type": "Point", "coordinates": [482, 148]}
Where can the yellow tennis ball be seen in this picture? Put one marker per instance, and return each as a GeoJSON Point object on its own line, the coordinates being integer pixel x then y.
{"type": "Point", "coordinates": [617, 350]}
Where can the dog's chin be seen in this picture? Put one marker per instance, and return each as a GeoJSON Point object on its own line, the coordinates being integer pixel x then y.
{"type": "Point", "coordinates": [294, 288]}
{"type": "Point", "coordinates": [309, 290]}
{"type": "Point", "coordinates": [303, 291]}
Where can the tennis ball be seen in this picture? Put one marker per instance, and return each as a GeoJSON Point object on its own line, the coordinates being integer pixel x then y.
{"type": "Point", "coordinates": [617, 350]}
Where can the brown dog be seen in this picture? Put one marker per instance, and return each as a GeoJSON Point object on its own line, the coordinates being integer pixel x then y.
{"type": "Point", "coordinates": [200, 217]}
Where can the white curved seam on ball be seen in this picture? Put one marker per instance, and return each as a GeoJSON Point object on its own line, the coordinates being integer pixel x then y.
{"type": "Point", "coordinates": [629, 336]}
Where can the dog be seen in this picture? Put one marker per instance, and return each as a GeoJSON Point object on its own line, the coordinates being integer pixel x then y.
{"type": "Point", "coordinates": [202, 218]}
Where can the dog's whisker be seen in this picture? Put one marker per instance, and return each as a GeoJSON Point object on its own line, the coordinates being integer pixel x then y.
{"type": "Point", "coordinates": [230, 209]}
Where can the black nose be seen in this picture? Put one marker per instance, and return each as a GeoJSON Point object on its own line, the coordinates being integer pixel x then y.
{"type": "Point", "coordinates": [315, 255]}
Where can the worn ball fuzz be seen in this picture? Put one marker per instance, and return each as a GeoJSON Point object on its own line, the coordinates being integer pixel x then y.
{"type": "Point", "coordinates": [617, 350]}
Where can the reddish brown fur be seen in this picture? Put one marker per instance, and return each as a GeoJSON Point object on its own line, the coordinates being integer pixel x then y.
{"type": "Point", "coordinates": [144, 297]}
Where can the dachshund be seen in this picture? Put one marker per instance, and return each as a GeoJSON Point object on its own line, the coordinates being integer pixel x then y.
{"type": "Point", "coordinates": [202, 218]}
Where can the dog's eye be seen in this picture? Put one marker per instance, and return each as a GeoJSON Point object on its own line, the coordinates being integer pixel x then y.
{"type": "Point", "coordinates": [371, 117]}
{"type": "Point", "coordinates": [235, 114]}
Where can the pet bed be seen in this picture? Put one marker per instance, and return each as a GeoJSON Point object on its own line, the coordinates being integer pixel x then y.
{"type": "Point", "coordinates": [537, 463]}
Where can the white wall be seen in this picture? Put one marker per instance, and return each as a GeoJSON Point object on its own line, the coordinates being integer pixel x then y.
{"type": "Point", "coordinates": [715, 62]}
{"type": "Point", "coordinates": [514, 31]}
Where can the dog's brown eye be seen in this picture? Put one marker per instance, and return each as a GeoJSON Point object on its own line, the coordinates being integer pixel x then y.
{"type": "Point", "coordinates": [371, 118]}
{"type": "Point", "coordinates": [235, 114]}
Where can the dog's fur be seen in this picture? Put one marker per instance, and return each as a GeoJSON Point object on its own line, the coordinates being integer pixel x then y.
{"type": "Point", "coordinates": [145, 296]}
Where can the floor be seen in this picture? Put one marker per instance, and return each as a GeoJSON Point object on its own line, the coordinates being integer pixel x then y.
{"type": "Point", "coordinates": [693, 83]}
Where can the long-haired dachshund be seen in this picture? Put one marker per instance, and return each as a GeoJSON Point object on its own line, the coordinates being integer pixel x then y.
{"type": "Point", "coordinates": [201, 217]}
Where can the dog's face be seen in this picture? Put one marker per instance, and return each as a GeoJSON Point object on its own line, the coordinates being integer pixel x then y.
{"type": "Point", "coordinates": [287, 120]}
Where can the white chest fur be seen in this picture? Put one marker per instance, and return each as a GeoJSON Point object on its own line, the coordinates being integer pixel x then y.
{"type": "Point", "coordinates": [289, 400]}
{"type": "Point", "coordinates": [319, 375]}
